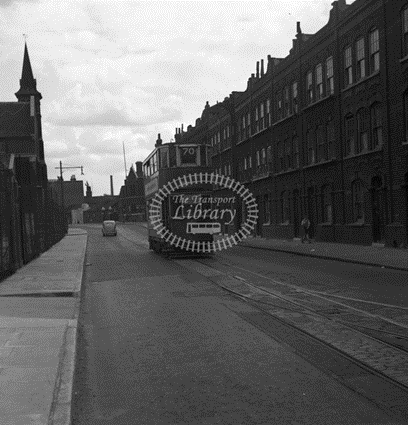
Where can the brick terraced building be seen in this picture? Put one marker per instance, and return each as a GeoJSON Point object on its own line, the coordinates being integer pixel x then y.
{"type": "Point", "coordinates": [324, 131]}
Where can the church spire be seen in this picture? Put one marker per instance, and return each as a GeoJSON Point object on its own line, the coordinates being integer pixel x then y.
{"type": "Point", "coordinates": [28, 84]}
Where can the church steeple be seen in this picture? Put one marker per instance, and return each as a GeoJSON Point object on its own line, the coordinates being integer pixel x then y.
{"type": "Point", "coordinates": [28, 84]}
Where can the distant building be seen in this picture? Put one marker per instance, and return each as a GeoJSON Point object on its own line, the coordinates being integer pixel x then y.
{"type": "Point", "coordinates": [99, 208]}
{"type": "Point", "coordinates": [132, 204]}
{"type": "Point", "coordinates": [73, 198]}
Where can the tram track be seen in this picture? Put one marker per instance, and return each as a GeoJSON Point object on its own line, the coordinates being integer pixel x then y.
{"type": "Point", "coordinates": [377, 343]}
{"type": "Point", "coordinates": [320, 320]}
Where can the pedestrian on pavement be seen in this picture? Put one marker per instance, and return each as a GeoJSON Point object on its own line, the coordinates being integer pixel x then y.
{"type": "Point", "coordinates": [306, 226]}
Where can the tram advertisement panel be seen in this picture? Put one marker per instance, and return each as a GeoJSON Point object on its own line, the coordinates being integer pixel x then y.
{"type": "Point", "coordinates": [201, 213]}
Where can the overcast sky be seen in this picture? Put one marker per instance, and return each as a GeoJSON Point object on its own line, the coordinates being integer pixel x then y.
{"type": "Point", "coordinates": [112, 71]}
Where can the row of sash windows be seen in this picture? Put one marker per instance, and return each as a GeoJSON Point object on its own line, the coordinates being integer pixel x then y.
{"type": "Point", "coordinates": [321, 87]}
{"type": "Point", "coordinates": [360, 138]}
{"type": "Point", "coordinates": [223, 143]}
{"type": "Point", "coordinates": [261, 121]}
{"type": "Point", "coordinates": [226, 170]}
{"type": "Point", "coordinates": [360, 54]}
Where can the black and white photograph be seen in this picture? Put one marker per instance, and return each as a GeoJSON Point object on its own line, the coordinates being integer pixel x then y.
{"type": "Point", "coordinates": [203, 212]}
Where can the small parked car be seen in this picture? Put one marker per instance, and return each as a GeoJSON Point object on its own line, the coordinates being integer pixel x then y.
{"type": "Point", "coordinates": [109, 228]}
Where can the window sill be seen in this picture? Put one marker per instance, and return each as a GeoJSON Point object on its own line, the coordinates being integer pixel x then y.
{"type": "Point", "coordinates": [260, 131]}
{"type": "Point", "coordinates": [351, 86]}
{"type": "Point", "coordinates": [326, 224]}
{"type": "Point", "coordinates": [243, 141]}
{"type": "Point", "coordinates": [283, 119]}
{"type": "Point", "coordinates": [266, 224]}
{"type": "Point", "coordinates": [290, 170]}
{"type": "Point", "coordinates": [316, 164]}
{"type": "Point", "coordinates": [253, 135]}
{"type": "Point", "coordinates": [404, 59]}
{"type": "Point", "coordinates": [379, 149]}
{"type": "Point", "coordinates": [357, 224]}
{"type": "Point", "coordinates": [317, 102]}
{"type": "Point", "coordinates": [405, 143]}
{"type": "Point", "coordinates": [286, 223]}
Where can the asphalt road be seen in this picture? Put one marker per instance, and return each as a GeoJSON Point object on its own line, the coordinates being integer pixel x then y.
{"type": "Point", "coordinates": [160, 345]}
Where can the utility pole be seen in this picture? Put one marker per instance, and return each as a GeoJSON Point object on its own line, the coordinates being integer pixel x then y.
{"type": "Point", "coordinates": [124, 158]}
{"type": "Point", "coordinates": [62, 183]}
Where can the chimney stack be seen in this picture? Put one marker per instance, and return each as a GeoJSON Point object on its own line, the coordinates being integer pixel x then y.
{"type": "Point", "coordinates": [262, 68]}
{"type": "Point", "coordinates": [257, 70]}
{"type": "Point", "coordinates": [158, 141]}
{"type": "Point", "coordinates": [111, 182]}
{"type": "Point", "coordinates": [139, 170]}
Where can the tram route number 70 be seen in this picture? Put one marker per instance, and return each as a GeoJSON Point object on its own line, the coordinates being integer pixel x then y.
{"type": "Point", "coordinates": [188, 155]}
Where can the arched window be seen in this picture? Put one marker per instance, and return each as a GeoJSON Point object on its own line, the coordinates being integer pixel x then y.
{"type": "Point", "coordinates": [358, 201]}
{"type": "Point", "coordinates": [285, 210]}
{"type": "Point", "coordinates": [310, 148]}
{"type": "Point", "coordinates": [269, 154]}
{"type": "Point", "coordinates": [326, 205]}
{"type": "Point", "coordinates": [362, 135]}
{"type": "Point", "coordinates": [331, 137]}
{"type": "Point", "coordinates": [376, 126]}
{"type": "Point", "coordinates": [280, 157]}
{"type": "Point", "coordinates": [321, 144]}
{"type": "Point", "coordinates": [288, 153]}
{"type": "Point", "coordinates": [295, 152]}
{"type": "Point", "coordinates": [349, 144]}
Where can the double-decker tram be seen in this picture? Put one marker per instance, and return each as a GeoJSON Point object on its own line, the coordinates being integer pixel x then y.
{"type": "Point", "coordinates": [178, 194]}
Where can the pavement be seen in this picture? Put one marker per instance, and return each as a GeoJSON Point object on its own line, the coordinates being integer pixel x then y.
{"type": "Point", "coordinates": [39, 308]}
{"type": "Point", "coordinates": [392, 258]}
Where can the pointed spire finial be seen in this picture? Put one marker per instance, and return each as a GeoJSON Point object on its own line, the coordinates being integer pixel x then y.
{"type": "Point", "coordinates": [28, 84]}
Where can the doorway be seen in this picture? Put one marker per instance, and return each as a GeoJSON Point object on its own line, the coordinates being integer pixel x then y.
{"type": "Point", "coordinates": [311, 211]}
{"type": "Point", "coordinates": [296, 214]}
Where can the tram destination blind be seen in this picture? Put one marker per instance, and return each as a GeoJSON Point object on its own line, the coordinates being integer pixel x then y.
{"type": "Point", "coordinates": [188, 155]}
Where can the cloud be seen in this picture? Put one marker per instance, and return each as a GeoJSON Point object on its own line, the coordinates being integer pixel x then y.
{"type": "Point", "coordinates": [88, 105]}
{"type": "Point", "coordinates": [55, 146]}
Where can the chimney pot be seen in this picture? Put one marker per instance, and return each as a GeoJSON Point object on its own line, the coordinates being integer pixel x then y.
{"type": "Point", "coordinates": [262, 68]}
{"type": "Point", "coordinates": [158, 141]}
{"type": "Point", "coordinates": [257, 69]}
{"type": "Point", "coordinates": [111, 184]}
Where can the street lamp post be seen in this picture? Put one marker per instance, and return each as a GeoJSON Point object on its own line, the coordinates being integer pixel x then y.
{"type": "Point", "coordinates": [110, 213]}
{"type": "Point", "coordinates": [103, 213]}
